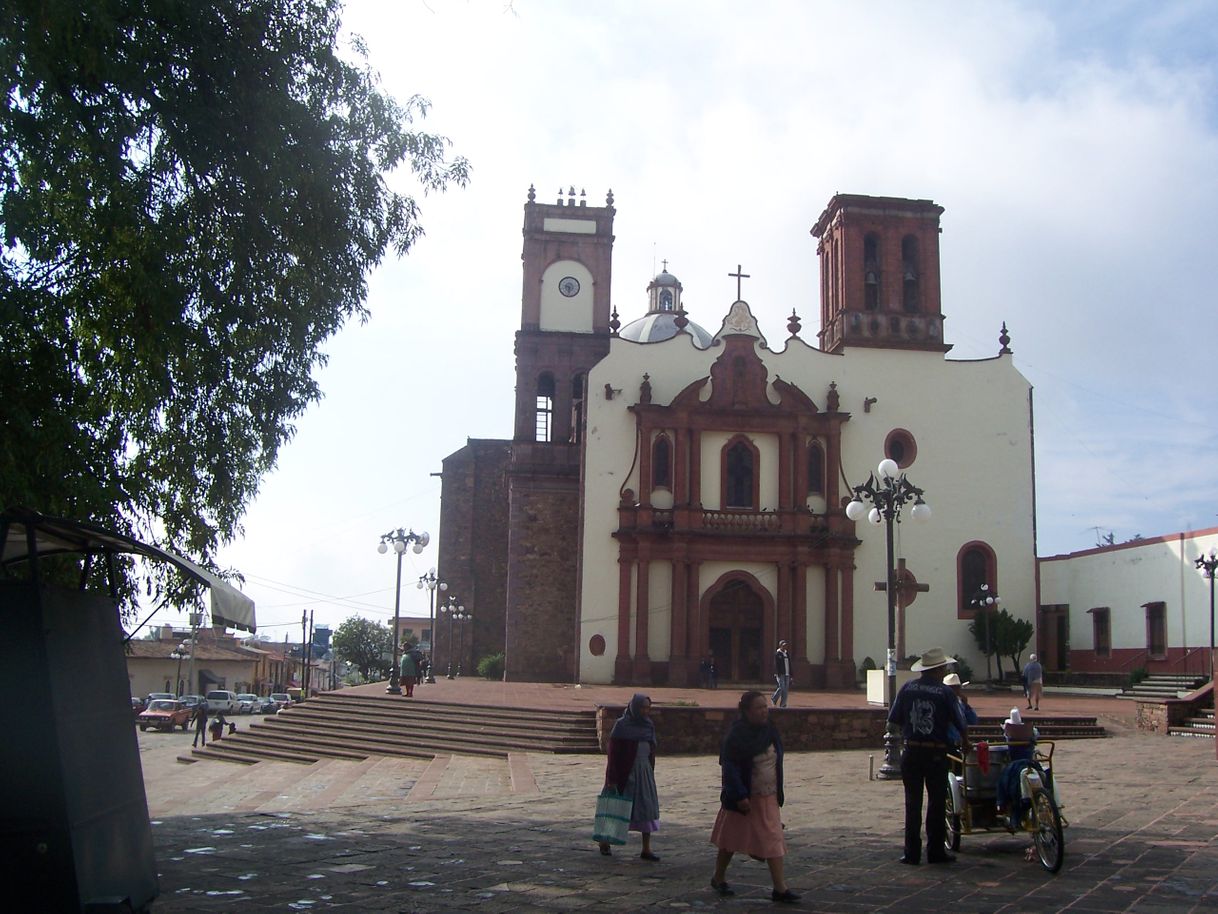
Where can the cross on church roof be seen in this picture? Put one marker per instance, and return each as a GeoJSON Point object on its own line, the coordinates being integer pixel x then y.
{"type": "Point", "coordinates": [739, 276]}
{"type": "Point", "coordinates": [665, 263]}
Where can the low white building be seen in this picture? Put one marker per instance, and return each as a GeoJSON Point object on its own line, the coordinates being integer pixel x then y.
{"type": "Point", "coordinates": [1142, 604]}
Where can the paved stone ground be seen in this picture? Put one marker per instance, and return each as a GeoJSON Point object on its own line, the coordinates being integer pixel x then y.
{"type": "Point", "coordinates": [480, 835]}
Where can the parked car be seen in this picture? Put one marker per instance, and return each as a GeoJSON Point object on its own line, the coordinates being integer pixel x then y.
{"type": "Point", "coordinates": [153, 696]}
{"type": "Point", "coordinates": [222, 701]}
{"type": "Point", "coordinates": [191, 700]}
{"type": "Point", "coordinates": [267, 705]}
{"type": "Point", "coordinates": [248, 702]}
{"type": "Point", "coordinates": [137, 705]}
{"type": "Point", "coordinates": [164, 714]}
{"type": "Point", "coordinates": [281, 699]}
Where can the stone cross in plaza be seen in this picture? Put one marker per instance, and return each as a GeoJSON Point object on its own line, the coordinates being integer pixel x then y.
{"type": "Point", "coordinates": [908, 589]}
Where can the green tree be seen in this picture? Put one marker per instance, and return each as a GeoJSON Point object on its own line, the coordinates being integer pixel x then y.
{"type": "Point", "coordinates": [191, 197]}
{"type": "Point", "coordinates": [978, 629]}
{"type": "Point", "coordinates": [1012, 636]}
{"type": "Point", "coordinates": [362, 643]}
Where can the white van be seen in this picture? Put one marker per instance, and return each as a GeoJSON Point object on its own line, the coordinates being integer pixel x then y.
{"type": "Point", "coordinates": [222, 701]}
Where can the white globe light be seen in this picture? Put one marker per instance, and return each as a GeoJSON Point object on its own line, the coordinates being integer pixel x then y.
{"type": "Point", "coordinates": [443, 587]}
{"type": "Point", "coordinates": [418, 547]}
{"type": "Point", "coordinates": [424, 539]}
{"type": "Point", "coordinates": [856, 510]}
{"type": "Point", "coordinates": [874, 516]}
{"type": "Point", "coordinates": [382, 548]}
{"type": "Point", "coordinates": [399, 546]}
{"type": "Point", "coordinates": [920, 512]}
{"type": "Point", "coordinates": [420, 585]}
{"type": "Point", "coordinates": [888, 468]}
{"type": "Point", "coordinates": [432, 571]}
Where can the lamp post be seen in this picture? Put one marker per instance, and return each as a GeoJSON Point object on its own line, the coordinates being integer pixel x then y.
{"type": "Point", "coordinates": [462, 616]}
{"type": "Point", "coordinates": [432, 583]}
{"type": "Point", "coordinates": [180, 653]}
{"type": "Point", "coordinates": [985, 600]}
{"type": "Point", "coordinates": [399, 539]}
{"type": "Point", "coordinates": [451, 609]}
{"type": "Point", "coordinates": [888, 492]}
{"type": "Point", "coordinates": [1207, 565]}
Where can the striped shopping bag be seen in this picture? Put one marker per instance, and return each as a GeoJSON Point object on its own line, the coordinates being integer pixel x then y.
{"type": "Point", "coordinates": [612, 817]}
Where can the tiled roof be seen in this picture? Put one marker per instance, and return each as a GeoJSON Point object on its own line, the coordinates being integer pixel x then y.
{"type": "Point", "coordinates": [203, 650]}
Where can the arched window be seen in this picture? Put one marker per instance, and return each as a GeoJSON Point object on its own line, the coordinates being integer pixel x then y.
{"type": "Point", "coordinates": [871, 272]}
{"type": "Point", "coordinates": [545, 407]}
{"type": "Point", "coordinates": [577, 408]}
{"type": "Point", "coordinates": [740, 475]}
{"type": "Point", "coordinates": [661, 463]}
{"type": "Point", "coordinates": [816, 469]}
{"type": "Point", "coordinates": [976, 564]}
{"type": "Point", "coordinates": [909, 273]}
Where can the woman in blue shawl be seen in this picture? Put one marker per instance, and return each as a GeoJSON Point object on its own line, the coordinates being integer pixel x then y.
{"type": "Point", "coordinates": [631, 770]}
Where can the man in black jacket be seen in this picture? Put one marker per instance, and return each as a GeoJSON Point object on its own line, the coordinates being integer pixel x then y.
{"type": "Point", "coordinates": [782, 673]}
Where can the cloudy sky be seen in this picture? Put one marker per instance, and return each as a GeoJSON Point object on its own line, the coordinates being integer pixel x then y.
{"type": "Point", "coordinates": [1074, 147]}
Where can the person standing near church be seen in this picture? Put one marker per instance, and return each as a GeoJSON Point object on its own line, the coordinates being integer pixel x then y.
{"type": "Point", "coordinates": [200, 718]}
{"type": "Point", "coordinates": [924, 709]}
{"type": "Point", "coordinates": [630, 769]}
{"type": "Point", "coordinates": [408, 671]}
{"type": "Point", "coordinates": [1034, 675]}
{"type": "Point", "coordinates": [782, 674]}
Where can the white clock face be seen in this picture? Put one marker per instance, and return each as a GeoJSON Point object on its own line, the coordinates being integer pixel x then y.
{"type": "Point", "coordinates": [569, 286]}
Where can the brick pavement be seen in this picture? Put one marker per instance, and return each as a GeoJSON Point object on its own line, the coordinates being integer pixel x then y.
{"type": "Point", "coordinates": [485, 835]}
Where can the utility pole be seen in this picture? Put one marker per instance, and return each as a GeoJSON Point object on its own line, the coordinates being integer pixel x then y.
{"type": "Point", "coordinates": [309, 657]}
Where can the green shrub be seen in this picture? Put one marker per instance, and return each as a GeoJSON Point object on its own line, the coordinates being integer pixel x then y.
{"type": "Point", "coordinates": [1138, 675]}
{"type": "Point", "coordinates": [491, 666]}
{"type": "Point", "coordinates": [964, 671]}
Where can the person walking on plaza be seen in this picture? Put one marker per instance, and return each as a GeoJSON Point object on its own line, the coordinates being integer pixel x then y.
{"type": "Point", "coordinates": [408, 670]}
{"type": "Point", "coordinates": [1034, 675]}
{"type": "Point", "coordinates": [782, 674]}
{"type": "Point", "coordinates": [630, 769]}
{"type": "Point", "coordinates": [924, 709]}
{"type": "Point", "coordinates": [200, 718]}
{"type": "Point", "coordinates": [750, 818]}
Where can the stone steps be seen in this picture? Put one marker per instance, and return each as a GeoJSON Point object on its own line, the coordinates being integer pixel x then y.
{"type": "Point", "coordinates": [1202, 726]}
{"type": "Point", "coordinates": [1162, 685]}
{"type": "Point", "coordinates": [1050, 726]}
{"type": "Point", "coordinates": [356, 727]}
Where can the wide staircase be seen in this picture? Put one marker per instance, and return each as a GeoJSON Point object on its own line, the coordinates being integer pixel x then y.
{"type": "Point", "coordinates": [1163, 685]}
{"type": "Point", "coordinates": [1201, 725]}
{"type": "Point", "coordinates": [338, 725]}
{"type": "Point", "coordinates": [1049, 726]}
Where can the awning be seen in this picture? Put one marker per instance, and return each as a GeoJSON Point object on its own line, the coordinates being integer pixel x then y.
{"type": "Point", "coordinates": [28, 534]}
{"type": "Point", "coordinates": [209, 676]}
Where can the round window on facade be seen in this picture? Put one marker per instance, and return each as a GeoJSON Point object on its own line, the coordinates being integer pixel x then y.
{"type": "Point", "coordinates": [596, 645]}
{"type": "Point", "coordinates": [901, 447]}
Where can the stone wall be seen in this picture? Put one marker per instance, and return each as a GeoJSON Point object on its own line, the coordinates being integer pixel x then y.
{"type": "Point", "coordinates": [700, 731]}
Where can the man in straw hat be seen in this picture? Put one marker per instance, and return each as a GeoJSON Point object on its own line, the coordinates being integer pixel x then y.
{"type": "Point", "coordinates": [924, 709]}
{"type": "Point", "coordinates": [952, 681]}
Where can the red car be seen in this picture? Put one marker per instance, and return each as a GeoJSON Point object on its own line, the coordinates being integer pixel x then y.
{"type": "Point", "coordinates": [165, 714]}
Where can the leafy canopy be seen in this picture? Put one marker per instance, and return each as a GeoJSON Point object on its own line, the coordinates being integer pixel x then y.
{"type": "Point", "coordinates": [364, 644]}
{"type": "Point", "coordinates": [191, 196]}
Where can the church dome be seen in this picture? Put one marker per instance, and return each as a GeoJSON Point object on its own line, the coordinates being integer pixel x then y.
{"type": "Point", "coordinates": [662, 325]}
{"type": "Point", "coordinates": [664, 278]}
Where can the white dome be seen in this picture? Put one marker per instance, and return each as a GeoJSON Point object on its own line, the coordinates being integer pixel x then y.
{"type": "Point", "coordinates": [662, 325]}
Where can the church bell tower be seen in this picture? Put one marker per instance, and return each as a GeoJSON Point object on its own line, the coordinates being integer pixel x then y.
{"type": "Point", "coordinates": [879, 274]}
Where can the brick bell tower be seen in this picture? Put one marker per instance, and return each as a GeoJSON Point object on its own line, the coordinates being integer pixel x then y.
{"type": "Point", "coordinates": [564, 331]}
{"type": "Point", "coordinates": [879, 274]}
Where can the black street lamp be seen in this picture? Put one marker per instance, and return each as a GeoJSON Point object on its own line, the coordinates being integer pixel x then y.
{"type": "Point", "coordinates": [1207, 565]}
{"type": "Point", "coordinates": [452, 609]}
{"type": "Point", "coordinates": [180, 653]}
{"type": "Point", "coordinates": [399, 539]}
{"type": "Point", "coordinates": [888, 493]}
{"type": "Point", "coordinates": [985, 600]}
{"type": "Point", "coordinates": [432, 583]}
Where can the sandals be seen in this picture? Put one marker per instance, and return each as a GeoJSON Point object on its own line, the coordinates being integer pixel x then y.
{"type": "Point", "coordinates": [786, 896]}
{"type": "Point", "coordinates": [605, 851]}
{"type": "Point", "coordinates": [648, 855]}
{"type": "Point", "coordinates": [722, 888]}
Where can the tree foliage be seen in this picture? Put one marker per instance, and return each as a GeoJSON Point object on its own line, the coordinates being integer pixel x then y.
{"type": "Point", "coordinates": [362, 643]}
{"type": "Point", "coordinates": [191, 196]}
{"type": "Point", "coordinates": [1008, 636]}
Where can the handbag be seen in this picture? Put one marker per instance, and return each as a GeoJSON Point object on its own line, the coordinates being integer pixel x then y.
{"type": "Point", "coordinates": [612, 817]}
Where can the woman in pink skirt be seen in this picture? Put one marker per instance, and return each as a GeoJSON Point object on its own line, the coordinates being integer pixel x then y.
{"type": "Point", "coordinates": [749, 821]}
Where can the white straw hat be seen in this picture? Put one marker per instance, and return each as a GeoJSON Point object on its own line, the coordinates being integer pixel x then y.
{"type": "Point", "coordinates": [931, 659]}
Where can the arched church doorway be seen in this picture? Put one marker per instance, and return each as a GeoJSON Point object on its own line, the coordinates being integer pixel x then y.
{"type": "Point", "coordinates": [736, 615]}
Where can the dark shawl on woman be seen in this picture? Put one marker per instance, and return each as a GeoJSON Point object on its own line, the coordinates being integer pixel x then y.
{"type": "Point", "coordinates": [743, 743]}
{"type": "Point", "coordinates": [630, 729]}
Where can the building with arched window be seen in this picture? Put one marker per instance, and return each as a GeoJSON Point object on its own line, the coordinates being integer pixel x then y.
{"type": "Point", "coordinates": [671, 492]}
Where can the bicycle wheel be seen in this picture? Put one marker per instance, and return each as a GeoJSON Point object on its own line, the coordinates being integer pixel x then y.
{"type": "Point", "coordinates": [953, 823]}
{"type": "Point", "coordinates": [1047, 831]}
